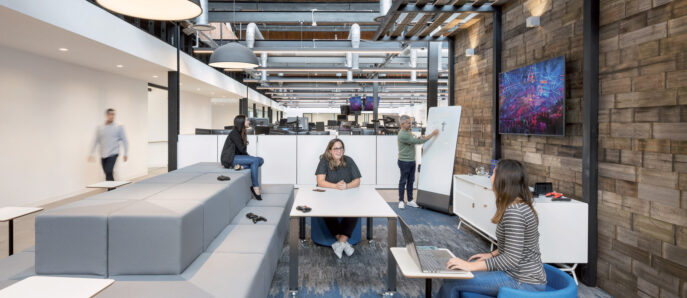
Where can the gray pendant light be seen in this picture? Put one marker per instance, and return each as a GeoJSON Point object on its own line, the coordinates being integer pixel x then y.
{"type": "Point", "coordinates": [161, 10]}
{"type": "Point", "coordinates": [201, 23]}
{"type": "Point", "coordinates": [233, 55]}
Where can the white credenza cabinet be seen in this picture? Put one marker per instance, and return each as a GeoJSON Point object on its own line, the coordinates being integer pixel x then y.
{"type": "Point", "coordinates": [562, 225]}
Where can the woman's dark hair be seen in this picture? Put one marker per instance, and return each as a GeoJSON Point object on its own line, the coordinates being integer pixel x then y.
{"type": "Point", "coordinates": [240, 126]}
{"type": "Point", "coordinates": [328, 154]}
{"type": "Point", "coordinates": [510, 186]}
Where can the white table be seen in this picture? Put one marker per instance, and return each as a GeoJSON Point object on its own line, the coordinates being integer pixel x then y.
{"type": "Point", "coordinates": [363, 201]}
{"type": "Point", "coordinates": [11, 213]}
{"type": "Point", "coordinates": [109, 185]}
{"type": "Point", "coordinates": [56, 287]}
{"type": "Point", "coordinates": [410, 269]}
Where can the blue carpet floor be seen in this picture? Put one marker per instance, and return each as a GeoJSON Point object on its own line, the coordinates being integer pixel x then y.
{"type": "Point", "coordinates": [321, 274]}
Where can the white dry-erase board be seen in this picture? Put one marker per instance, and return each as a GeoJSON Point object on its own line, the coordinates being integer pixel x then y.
{"type": "Point", "coordinates": [438, 154]}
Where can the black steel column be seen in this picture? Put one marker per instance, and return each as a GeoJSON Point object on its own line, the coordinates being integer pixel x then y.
{"type": "Point", "coordinates": [590, 132]}
{"type": "Point", "coordinates": [255, 111]}
{"type": "Point", "coordinates": [243, 106]}
{"type": "Point", "coordinates": [496, 70]}
{"type": "Point", "coordinates": [269, 114]}
{"type": "Point", "coordinates": [263, 111]}
{"type": "Point", "coordinates": [434, 50]}
{"type": "Point", "coordinates": [173, 95]}
{"type": "Point", "coordinates": [451, 71]}
{"type": "Point", "coordinates": [375, 110]}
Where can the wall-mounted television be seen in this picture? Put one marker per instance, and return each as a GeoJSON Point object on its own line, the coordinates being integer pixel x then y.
{"type": "Point", "coordinates": [532, 99]}
{"type": "Point", "coordinates": [356, 104]}
{"type": "Point", "coordinates": [369, 103]}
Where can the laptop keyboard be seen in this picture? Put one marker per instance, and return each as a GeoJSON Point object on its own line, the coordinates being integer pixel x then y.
{"type": "Point", "coordinates": [434, 261]}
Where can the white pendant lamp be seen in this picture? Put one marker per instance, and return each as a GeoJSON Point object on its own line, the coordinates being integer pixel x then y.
{"type": "Point", "coordinates": [233, 55]}
{"type": "Point", "coordinates": [160, 10]}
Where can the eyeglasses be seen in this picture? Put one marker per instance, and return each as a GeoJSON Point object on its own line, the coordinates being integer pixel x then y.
{"type": "Point", "coordinates": [338, 149]}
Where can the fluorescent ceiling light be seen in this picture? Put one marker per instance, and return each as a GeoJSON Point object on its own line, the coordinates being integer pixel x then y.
{"type": "Point", "coordinates": [161, 10]}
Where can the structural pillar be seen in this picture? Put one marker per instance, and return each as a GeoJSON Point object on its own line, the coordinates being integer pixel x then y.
{"type": "Point", "coordinates": [375, 110]}
{"type": "Point", "coordinates": [451, 71]}
{"type": "Point", "coordinates": [590, 132]}
{"type": "Point", "coordinates": [269, 114]}
{"type": "Point", "coordinates": [433, 73]}
{"type": "Point", "coordinates": [173, 94]}
{"type": "Point", "coordinates": [255, 111]}
{"type": "Point", "coordinates": [243, 106]}
{"type": "Point", "coordinates": [496, 70]}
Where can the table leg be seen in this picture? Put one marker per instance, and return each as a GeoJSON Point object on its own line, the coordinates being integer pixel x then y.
{"type": "Point", "coordinates": [391, 262]}
{"type": "Point", "coordinates": [11, 237]}
{"type": "Point", "coordinates": [369, 228]}
{"type": "Point", "coordinates": [293, 256]}
{"type": "Point", "coordinates": [301, 228]}
{"type": "Point", "coordinates": [428, 288]}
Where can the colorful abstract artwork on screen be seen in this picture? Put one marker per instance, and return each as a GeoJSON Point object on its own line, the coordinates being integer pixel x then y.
{"type": "Point", "coordinates": [532, 99]}
{"type": "Point", "coordinates": [356, 103]}
{"type": "Point", "coordinates": [369, 104]}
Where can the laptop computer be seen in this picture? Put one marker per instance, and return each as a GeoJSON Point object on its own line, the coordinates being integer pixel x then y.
{"type": "Point", "coordinates": [429, 258]}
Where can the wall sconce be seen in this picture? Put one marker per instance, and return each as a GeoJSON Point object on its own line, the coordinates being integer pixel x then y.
{"type": "Point", "coordinates": [469, 52]}
{"type": "Point", "coordinates": [532, 21]}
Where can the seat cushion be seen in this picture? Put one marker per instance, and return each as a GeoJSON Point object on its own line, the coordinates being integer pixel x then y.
{"type": "Point", "coordinates": [72, 239]}
{"type": "Point", "coordinates": [155, 237]}
{"type": "Point", "coordinates": [153, 289]}
{"type": "Point", "coordinates": [274, 215]}
{"type": "Point", "coordinates": [136, 191]}
{"type": "Point", "coordinates": [205, 167]}
{"type": "Point", "coordinates": [272, 200]}
{"type": "Point", "coordinates": [277, 188]}
{"type": "Point", "coordinates": [230, 274]}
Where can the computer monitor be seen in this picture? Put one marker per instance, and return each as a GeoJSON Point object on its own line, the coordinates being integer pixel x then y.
{"type": "Point", "coordinates": [340, 118]}
{"type": "Point", "coordinates": [345, 109]}
{"type": "Point", "coordinates": [369, 103]}
{"type": "Point", "coordinates": [319, 126]}
{"type": "Point", "coordinates": [356, 104]}
{"type": "Point", "coordinates": [332, 123]}
{"type": "Point", "coordinates": [345, 126]}
{"type": "Point", "coordinates": [262, 130]}
{"type": "Point", "coordinates": [259, 121]}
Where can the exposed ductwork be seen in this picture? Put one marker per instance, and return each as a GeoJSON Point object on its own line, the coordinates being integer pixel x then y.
{"type": "Point", "coordinates": [201, 22]}
{"type": "Point", "coordinates": [413, 64]}
{"type": "Point", "coordinates": [354, 37]}
{"type": "Point", "coordinates": [384, 6]}
{"type": "Point", "coordinates": [263, 63]}
{"type": "Point", "coordinates": [252, 33]}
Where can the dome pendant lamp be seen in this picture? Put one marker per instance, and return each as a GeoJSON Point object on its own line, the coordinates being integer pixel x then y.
{"type": "Point", "coordinates": [160, 10]}
{"type": "Point", "coordinates": [233, 55]}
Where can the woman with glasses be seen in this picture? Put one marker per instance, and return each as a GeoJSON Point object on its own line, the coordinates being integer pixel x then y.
{"type": "Point", "coordinates": [338, 171]}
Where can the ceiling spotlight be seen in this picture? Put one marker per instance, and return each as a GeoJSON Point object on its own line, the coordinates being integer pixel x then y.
{"type": "Point", "coordinates": [119, 66]}
{"type": "Point", "coordinates": [63, 49]}
{"type": "Point", "coordinates": [170, 10]}
{"type": "Point", "coordinates": [532, 21]}
{"type": "Point", "coordinates": [469, 52]}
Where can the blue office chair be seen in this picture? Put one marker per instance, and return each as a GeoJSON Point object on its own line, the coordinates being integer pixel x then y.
{"type": "Point", "coordinates": [558, 285]}
{"type": "Point", "coordinates": [319, 233]}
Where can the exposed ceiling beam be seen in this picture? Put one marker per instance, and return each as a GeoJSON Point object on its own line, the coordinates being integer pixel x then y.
{"type": "Point", "coordinates": [389, 19]}
{"type": "Point", "coordinates": [337, 80]}
{"type": "Point", "coordinates": [318, 28]}
{"type": "Point", "coordinates": [464, 25]}
{"type": "Point", "coordinates": [406, 20]}
{"type": "Point", "coordinates": [479, 2]}
{"type": "Point", "coordinates": [413, 38]}
{"type": "Point", "coordinates": [419, 25]}
{"type": "Point", "coordinates": [438, 21]}
{"type": "Point", "coordinates": [430, 8]}
{"type": "Point", "coordinates": [294, 6]}
{"type": "Point", "coordinates": [452, 24]}
{"type": "Point", "coordinates": [280, 17]}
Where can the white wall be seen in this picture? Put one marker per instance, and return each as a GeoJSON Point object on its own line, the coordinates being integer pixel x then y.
{"type": "Point", "coordinates": [223, 112]}
{"type": "Point", "coordinates": [157, 127]}
{"type": "Point", "coordinates": [48, 114]}
{"type": "Point", "coordinates": [195, 113]}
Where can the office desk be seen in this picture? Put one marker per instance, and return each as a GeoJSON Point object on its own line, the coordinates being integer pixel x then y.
{"type": "Point", "coordinates": [363, 201]}
{"type": "Point", "coordinates": [9, 214]}
{"type": "Point", "coordinates": [56, 287]}
{"type": "Point", "coordinates": [410, 269]}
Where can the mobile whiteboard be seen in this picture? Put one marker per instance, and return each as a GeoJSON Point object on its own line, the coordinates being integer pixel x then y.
{"type": "Point", "coordinates": [438, 154]}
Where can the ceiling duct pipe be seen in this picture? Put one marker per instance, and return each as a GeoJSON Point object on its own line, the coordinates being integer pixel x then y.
{"type": "Point", "coordinates": [349, 76]}
{"type": "Point", "coordinates": [252, 33]}
{"type": "Point", "coordinates": [263, 62]}
{"type": "Point", "coordinates": [201, 22]}
{"type": "Point", "coordinates": [384, 6]}
{"type": "Point", "coordinates": [354, 37]}
{"type": "Point", "coordinates": [413, 64]}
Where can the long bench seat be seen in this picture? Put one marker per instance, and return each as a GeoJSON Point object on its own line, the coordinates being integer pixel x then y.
{"type": "Point", "coordinates": [180, 234]}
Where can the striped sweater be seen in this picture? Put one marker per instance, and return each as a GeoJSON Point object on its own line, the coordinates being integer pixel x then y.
{"type": "Point", "coordinates": [518, 240]}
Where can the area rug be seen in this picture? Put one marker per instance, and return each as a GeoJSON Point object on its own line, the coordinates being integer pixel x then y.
{"type": "Point", "coordinates": [321, 274]}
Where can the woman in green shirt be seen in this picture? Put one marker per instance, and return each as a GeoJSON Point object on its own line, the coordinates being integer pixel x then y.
{"type": "Point", "coordinates": [406, 160]}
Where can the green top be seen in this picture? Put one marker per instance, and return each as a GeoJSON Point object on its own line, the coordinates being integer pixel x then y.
{"type": "Point", "coordinates": [406, 145]}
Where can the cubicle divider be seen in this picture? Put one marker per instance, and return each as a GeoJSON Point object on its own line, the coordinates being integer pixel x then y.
{"type": "Point", "coordinates": [293, 159]}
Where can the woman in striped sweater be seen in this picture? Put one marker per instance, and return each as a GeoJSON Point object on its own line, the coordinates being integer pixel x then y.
{"type": "Point", "coordinates": [517, 262]}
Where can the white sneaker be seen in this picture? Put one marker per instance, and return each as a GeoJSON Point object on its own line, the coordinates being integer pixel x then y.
{"type": "Point", "coordinates": [338, 248]}
{"type": "Point", "coordinates": [413, 204]}
{"type": "Point", "coordinates": [401, 205]}
{"type": "Point", "coordinates": [348, 249]}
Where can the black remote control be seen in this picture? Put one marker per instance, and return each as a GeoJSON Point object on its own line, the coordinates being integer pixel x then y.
{"type": "Point", "coordinates": [304, 209]}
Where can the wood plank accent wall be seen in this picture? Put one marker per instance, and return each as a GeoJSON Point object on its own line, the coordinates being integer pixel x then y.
{"type": "Point", "coordinates": [642, 128]}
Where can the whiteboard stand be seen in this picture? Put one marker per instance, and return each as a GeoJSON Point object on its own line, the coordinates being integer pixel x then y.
{"type": "Point", "coordinates": [435, 184]}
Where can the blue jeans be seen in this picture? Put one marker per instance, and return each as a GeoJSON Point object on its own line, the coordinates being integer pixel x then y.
{"type": "Point", "coordinates": [407, 179]}
{"type": "Point", "coordinates": [252, 162]}
{"type": "Point", "coordinates": [485, 283]}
